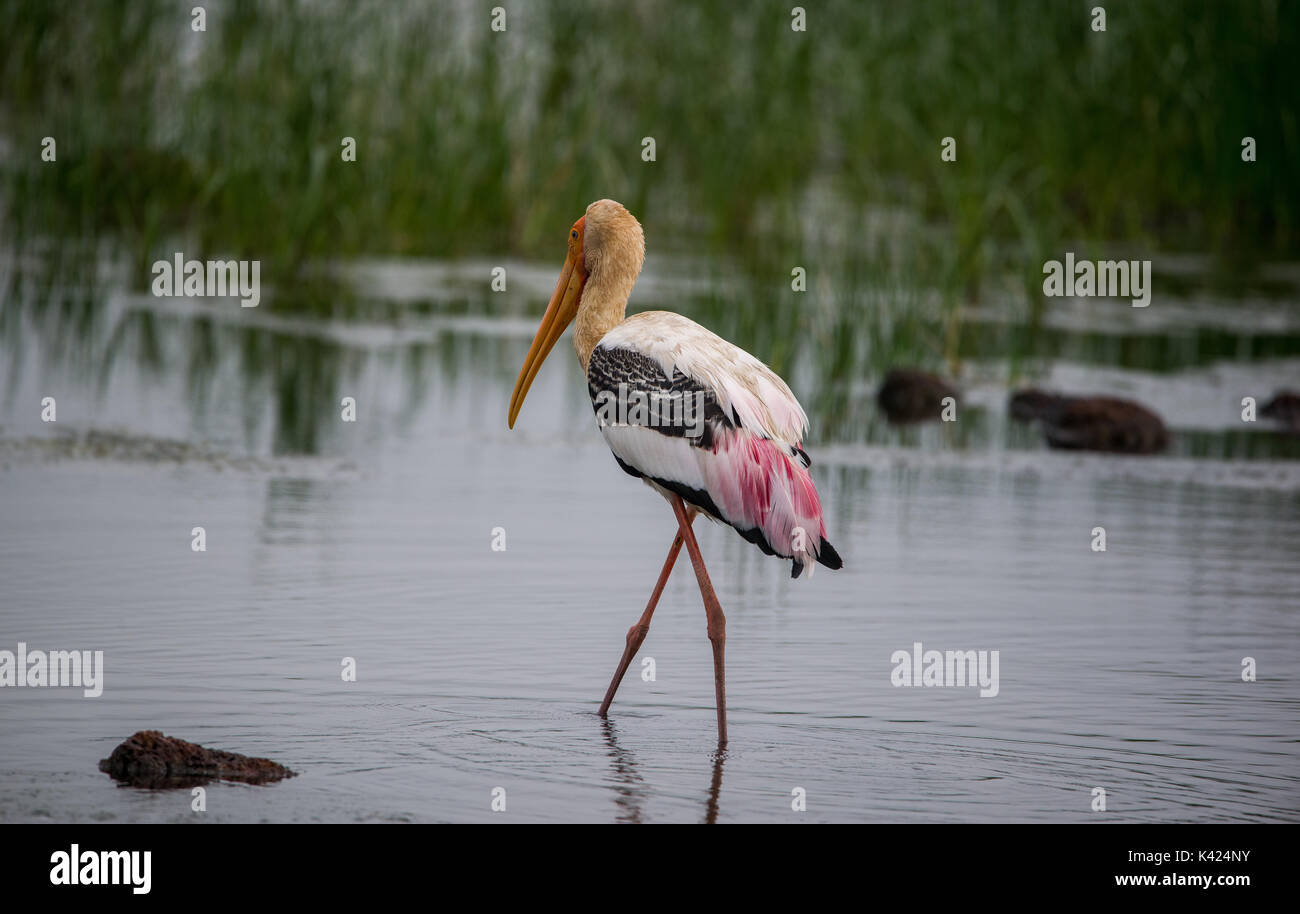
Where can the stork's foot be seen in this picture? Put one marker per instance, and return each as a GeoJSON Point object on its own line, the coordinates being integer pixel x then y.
{"type": "Point", "coordinates": [635, 635]}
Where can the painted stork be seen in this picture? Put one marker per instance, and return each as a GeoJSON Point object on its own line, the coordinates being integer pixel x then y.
{"type": "Point", "coordinates": [741, 463]}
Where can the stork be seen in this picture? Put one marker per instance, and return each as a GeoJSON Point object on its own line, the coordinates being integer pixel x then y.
{"type": "Point", "coordinates": [741, 462]}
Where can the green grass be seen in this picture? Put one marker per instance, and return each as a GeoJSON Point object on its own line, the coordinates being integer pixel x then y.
{"type": "Point", "coordinates": [475, 141]}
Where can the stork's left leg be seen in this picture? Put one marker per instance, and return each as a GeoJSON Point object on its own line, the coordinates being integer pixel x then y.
{"type": "Point", "coordinates": [636, 634]}
{"type": "Point", "coordinates": [713, 609]}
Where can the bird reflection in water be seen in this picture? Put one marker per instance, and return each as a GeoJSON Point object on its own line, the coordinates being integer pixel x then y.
{"type": "Point", "coordinates": [631, 789]}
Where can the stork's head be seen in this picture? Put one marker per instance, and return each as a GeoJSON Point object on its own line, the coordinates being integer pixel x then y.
{"type": "Point", "coordinates": [606, 250]}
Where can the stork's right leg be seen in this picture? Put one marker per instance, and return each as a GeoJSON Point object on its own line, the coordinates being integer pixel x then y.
{"type": "Point", "coordinates": [636, 634]}
{"type": "Point", "coordinates": [713, 610]}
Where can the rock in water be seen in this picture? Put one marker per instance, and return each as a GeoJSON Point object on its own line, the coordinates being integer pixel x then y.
{"type": "Point", "coordinates": [1091, 423]}
{"type": "Point", "coordinates": [1285, 408]}
{"type": "Point", "coordinates": [908, 395]}
{"type": "Point", "coordinates": [149, 759]}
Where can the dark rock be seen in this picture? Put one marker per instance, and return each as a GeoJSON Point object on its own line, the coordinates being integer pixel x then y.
{"type": "Point", "coordinates": [1285, 408]}
{"type": "Point", "coordinates": [149, 759]}
{"type": "Point", "coordinates": [1091, 423]}
{"type": "Point", "coordinates": [908, 395]}
{"type": "Point", "coordinates": [1033, 404]}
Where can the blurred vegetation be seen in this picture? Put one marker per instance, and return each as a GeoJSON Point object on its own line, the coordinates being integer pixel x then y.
{"type": "Point", "coordinates": [471, 140]}
{"type": "Point", "coordinates": [773, 148]}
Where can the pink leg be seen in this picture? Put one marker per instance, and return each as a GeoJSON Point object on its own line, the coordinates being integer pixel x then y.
{"type": "Point", "coordinates": [636, 634]}
{"type": "Point", "coordinates": [713, 609]}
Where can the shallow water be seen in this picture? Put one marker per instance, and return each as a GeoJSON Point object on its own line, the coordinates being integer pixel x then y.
{"type": "Point", "coordinates": [480, 669]}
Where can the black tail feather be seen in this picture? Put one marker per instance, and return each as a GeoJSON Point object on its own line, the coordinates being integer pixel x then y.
{"type": "Point", "coordinates": [829, 557]}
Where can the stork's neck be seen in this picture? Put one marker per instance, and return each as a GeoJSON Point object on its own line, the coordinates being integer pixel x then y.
{"type": "Point", "coordinates": [602, 308]}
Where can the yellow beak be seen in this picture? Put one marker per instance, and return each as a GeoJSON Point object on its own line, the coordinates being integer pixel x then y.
{"type": "Point", "coordinates": [559, 314]}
